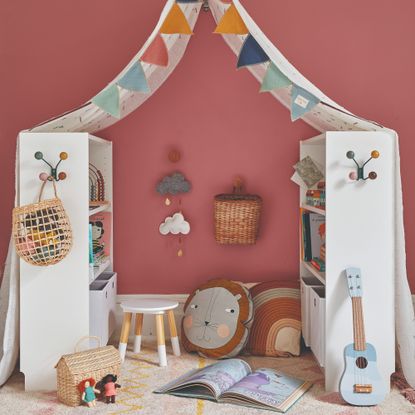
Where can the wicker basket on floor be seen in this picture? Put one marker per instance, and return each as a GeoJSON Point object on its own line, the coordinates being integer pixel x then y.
{"type": "Point", "coordinates": [237, 217]}
{"type": "Point", "coordinates": [42, 233]}
{"type": "Point", "coordinates": [74, 368]}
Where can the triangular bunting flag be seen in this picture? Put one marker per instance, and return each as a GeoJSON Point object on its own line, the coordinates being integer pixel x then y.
{"type": "Point", "coordinates": [274, 79]}
{"type": "Point", "coordinates": [251, 53]}
{"type": "Point", "coordinates": [301, 102]}
{"type": "Point", "coordinates": [156, 53]}
{"type": "Point", "coordinates": [176, 22]}
{"type": "Point", "coordinates": [108, 100]}
{"type": "Point", "coordinates": [231, 23]}
{"type": "Point", "coordinates": [134, 79]}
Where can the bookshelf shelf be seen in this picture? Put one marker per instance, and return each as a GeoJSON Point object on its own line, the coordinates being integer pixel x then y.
{"type": "Point", "coordinates": [314, 209]}
{"type": "Point", "coordinates": [102, 267]}
{"type": "Point", "coordinates": [97, 209]}
{"type": "Point", "coordinates": [321, 276]}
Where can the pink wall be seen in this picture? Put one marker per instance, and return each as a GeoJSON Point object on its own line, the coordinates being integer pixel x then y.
{"type": "Point", "coordinates": [56, 55]}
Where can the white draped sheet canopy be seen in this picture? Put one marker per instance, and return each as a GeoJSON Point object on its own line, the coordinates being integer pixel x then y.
{"type": "Point", "coordinates": [326, 115]}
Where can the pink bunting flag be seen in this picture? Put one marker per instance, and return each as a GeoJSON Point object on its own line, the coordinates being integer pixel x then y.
{"type": "Point", "coordinates": [156, 53]}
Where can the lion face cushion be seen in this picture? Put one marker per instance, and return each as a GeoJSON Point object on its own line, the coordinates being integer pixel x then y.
{"type": "Point", "coordinates": [216, 319]}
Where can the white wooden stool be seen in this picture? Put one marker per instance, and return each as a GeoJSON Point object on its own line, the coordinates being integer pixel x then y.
{"type": "Point", "coordinates": [151, 306]}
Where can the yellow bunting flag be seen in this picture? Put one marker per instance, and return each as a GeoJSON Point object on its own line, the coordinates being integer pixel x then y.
{"type": "Point", "coordinates": [231, 23]}
{"type": "Point", "coordinates": [176, 22]}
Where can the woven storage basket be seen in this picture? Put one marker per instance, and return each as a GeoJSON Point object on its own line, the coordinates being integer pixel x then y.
{"type": "Point", "coordinates": [93, 363]}
{"type": "Point", "coordinates": [237, 217]}
{"type": "Point", "coordinates": [41, 231]}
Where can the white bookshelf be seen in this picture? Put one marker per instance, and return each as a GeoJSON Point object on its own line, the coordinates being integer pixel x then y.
{"type": "Point", "coordinates": [57, 306]}
{"type": "Point", "coordinates": [359, 220]}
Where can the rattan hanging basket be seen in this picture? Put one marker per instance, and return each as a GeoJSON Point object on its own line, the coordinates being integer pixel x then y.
{"type": "Point", "coordinates": [74, 368]}
{"type": "Point", "coordinates": [237, 217]}
{"type": "Point", "coordinates": [41, 231]}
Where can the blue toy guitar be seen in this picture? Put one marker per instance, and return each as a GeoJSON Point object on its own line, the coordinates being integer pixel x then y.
{"type": "Point", "coordinates": [361, 383]}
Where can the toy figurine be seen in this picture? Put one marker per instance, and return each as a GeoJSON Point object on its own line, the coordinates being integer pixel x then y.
{"type": "Point", "coordinates": [86, 387]}
{"type": "Point", "coordinates": [109, 387]}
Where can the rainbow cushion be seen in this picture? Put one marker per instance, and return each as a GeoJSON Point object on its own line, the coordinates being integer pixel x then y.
{"type": "Point", "coordinates": [276, 329]}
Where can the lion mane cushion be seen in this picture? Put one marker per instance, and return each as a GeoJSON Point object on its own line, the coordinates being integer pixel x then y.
{"type": "Point", "coordinates": [276, 329]}
{"type": "Point", "coordinates": [216, 319]}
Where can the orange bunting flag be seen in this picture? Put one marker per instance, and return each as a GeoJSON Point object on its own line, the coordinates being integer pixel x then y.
{"type": "Point", "coordinates": [231, 23]}
{"type": "Point", "coordinates": [176, 22]}
{"type": "Point", "coordinates": [156, 53]}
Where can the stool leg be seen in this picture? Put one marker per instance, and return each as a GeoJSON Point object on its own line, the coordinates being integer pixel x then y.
{"type": "Point", "coordinates": [138, 328]}
{"type": "Point", "coordinates": [161, 346]}
{"type": "Point", "coordinates": [124, 335]}
{"type": "Point", "coordinates": [173, 333]}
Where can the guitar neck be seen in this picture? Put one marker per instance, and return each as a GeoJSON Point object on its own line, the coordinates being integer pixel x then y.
{"type": "Point", "coordinates": [358, 324]}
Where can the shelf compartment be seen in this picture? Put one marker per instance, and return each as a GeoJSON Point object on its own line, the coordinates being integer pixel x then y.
{"type": "Point", "coordinates": [321, 276]}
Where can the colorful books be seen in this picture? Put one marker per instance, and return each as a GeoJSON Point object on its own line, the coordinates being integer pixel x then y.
{"type": "Point", "coordinates": [312, 225]}
{"type": "Point", "coordinates": [100, 224]}
{"type": "Point", "coordinates": [233, 381]}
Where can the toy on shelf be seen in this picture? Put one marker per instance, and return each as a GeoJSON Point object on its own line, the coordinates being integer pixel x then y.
{"type": "Point", "coordinates": [109, 387]}
{"type": "Point", "coordinates": [317, 198]}
{"type": "Point", "coordinates": [359, 173]}
{"type": "Point", "coordinates": [86, 387]}
{"type": "Point", "coordinates": [96, 187]}
{"type": "Point", "coordinates": [53, 170]}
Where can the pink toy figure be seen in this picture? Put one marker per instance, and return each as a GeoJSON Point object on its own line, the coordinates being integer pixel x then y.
{"type": "Point", "coordinates": [109, 387]}
{"type": "Point", "coordinates": [86, 387]}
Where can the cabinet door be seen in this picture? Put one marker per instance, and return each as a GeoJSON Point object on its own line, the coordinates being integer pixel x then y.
{"type": "Point", "coordinates": [317, 326]}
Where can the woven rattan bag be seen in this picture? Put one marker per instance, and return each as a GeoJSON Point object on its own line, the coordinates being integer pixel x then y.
{"type": "Point", "coordinates": [41, 231]}
{"type": "Point", "coordinates": [237, 217]}
{"type": "Point", "coordinates": [76, 367]}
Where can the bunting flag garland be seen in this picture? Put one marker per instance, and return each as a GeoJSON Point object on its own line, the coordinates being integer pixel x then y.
{"type": "Point", "coordinates": [134, 79]}
{"type": "Point", "coordinates": [301, 102]}
{"type": "Point", "coordinates": [108, 100]}
{"type": "Point", "coordinates": [176, 22]}
{"type": "Point", "coordinates": [274, 79]}
{"type": "Point", "coordinates": [187, 1]}
{"type": "Point", "coordinates": [231, 23]}
{"type": "Point", "coordinates": [251, 53]}
{"type": "Point", "coordinates": [156, 53]}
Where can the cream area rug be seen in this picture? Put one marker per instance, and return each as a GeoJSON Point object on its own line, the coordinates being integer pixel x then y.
{"type": "Point", "coordinates": [141, 374]}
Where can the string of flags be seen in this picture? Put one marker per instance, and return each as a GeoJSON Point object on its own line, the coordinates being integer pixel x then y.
{"type": "Point", "coordinates": [134, 79]}
{"type": "Point", "coordinates": [251, 53]}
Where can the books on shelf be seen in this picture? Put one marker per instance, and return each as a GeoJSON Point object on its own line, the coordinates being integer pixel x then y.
{"type": "Point", "coordinates": [313, 229]}
{"type": "Point", "coordinates": [100, 237]}
{"type": "Point", "coordinates": [234, 381]}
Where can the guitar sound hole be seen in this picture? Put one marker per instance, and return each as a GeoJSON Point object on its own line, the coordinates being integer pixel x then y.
{"type": "Point", "coordinates": [361, 362]}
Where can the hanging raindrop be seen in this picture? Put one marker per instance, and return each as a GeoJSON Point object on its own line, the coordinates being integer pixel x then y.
{"type": "Point", "coordinates": [167, 202]}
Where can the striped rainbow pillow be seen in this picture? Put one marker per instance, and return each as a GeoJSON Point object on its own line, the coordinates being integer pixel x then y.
{"type": "Point", "coordinates": [276, 329]}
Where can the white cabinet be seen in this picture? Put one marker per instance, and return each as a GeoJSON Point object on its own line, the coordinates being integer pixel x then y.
{"type": "Point", "coordinates": [359, 232]}
{"type": "Point", "coordinates": [307, 283]}
{"type": "Point", "coordinates": [317, 322]}
{"type": "Point", "coordinates": [55, 300]}
{"type": "Point", "coordinates": [102, 302]}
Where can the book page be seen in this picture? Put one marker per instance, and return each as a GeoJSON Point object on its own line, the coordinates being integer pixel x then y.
{"type": "Point", "coordinates": [215, 379]}
{"type": "Point", "coordinates": [266, 388]}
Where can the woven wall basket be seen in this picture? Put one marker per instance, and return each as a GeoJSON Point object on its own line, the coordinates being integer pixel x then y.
{"type": "Point", "coordinates": [237, 217]}
{"type": "Point", "coordinates": [76, 367]}
{"type": "Point", "coordinates": [41, 231]}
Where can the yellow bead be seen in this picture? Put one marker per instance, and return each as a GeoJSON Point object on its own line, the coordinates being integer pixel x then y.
{"type": "Point", "coordinates": [63, 155]}
{"type": "Point", "coordinates": [375, 154]}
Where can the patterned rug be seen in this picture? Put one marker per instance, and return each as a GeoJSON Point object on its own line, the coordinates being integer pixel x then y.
{"type": "Point", "coordinates": [141, 375]}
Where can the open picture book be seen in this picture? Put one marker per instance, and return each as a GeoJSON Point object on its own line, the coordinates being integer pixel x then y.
{"type": "Point", "coordinates": [233, 381]}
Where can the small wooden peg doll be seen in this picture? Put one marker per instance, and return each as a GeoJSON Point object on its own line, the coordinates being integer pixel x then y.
{"type": "Point", "coordinates": [86, 387]}
{"type": "Point", "coordinates": [109, 387]}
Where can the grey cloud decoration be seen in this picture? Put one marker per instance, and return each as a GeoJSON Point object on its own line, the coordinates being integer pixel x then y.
{"type": "Point", "coordinates": [174, 184]}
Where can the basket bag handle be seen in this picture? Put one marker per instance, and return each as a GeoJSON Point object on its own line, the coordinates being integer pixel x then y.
{"type": "Point", "coordinates": [237, 185]}
{"type": "Point", "coordinates": [85, 338]}
{"type": "Point", "coordinates": [49, 179]}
